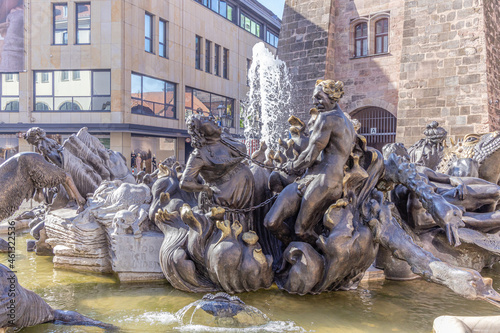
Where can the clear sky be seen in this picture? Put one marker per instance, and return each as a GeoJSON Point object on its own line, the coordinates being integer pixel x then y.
{"type": "Point", "coordinates": [276, 6]}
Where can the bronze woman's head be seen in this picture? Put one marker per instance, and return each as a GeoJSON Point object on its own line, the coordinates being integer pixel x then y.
{"type": "Point", "coordinates": [202, 128]}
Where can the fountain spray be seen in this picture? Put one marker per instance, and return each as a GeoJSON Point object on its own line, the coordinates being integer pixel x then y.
{"type": "Point", "coordinates": [267, 108]}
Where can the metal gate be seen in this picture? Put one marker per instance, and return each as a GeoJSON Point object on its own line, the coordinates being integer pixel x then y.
{"type": "Point", "coordinates": [377, 125]}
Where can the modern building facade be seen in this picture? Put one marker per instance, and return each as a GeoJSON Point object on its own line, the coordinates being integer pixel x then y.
{"type": "Point", "coordinates": [404, 63]}
{"type": "Point", "coordinates": [131, 71]}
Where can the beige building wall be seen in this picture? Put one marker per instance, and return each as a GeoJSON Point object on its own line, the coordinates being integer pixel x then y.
{"type": "Point", "coordinates": [117, 44]}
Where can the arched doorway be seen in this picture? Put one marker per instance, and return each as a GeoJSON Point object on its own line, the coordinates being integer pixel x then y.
{"type": "Point", "coordinates": [378, 126]}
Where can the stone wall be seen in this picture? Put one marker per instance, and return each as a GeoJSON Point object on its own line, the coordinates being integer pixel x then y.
{"type": "Point", "coordinates": [303, 46]}
{"type": "Point", "coordinates": [443, 68]}
{"type": "Point", "coordinates": [492, 24]}
{"type": "Point", "coordinates": [443, 62]}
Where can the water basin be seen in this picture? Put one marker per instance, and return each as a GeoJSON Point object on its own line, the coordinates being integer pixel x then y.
{"type": "Point", "coordinates": [385, 306]}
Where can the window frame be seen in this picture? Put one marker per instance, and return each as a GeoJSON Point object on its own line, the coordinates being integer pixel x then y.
{"type": "Point", "coordinates": [77, 29]}
{"type": "Point", "coordinates": [208, 56]}
{"type": "Point", "coordinates": [371, 22]}
{"type": "Point", "coordinates": [64, 75]}
{"type": "Point", "coordinates": [65, 40]}
{"type": "Point", "coordinates": [217, 63]}
{"type": "Point", "coordinates": [197, 52]}
{"type": "Point", "coordinates": [363, 39]}
{"type": "Point", "coordinates": [210, 5]}
{"type": "Point", "coordinates": [2, 96]}
{"type": "Point", "coordinates": [165, 82]}
{"type": "Point", "coordinates": [381, 36]}
{"type": "Point", "coordinates": [233, 12]}
{"type": "Point", "coordinates": [191, 109]}
{"type": "Point", "coordinates": [151, 31]}
{"type": "Point", "coordinates": [272, 38]}
{"type": "Point", "coordinates": [51, 74]}
{"type": "Point", "coordinates": [225, 63]}
{"type": "Point", "coordinates": [162, 44]}
{"type": "Point", "coordinates": [244, 17]}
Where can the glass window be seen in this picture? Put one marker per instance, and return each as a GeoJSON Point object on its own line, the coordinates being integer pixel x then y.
{"type": "Point", "coordinates": [11, 105]}
{"type": "Point", "coordinates": [149, 151]}
{"type": "Point", "coordinates": [162, 38]}
{"type": "Point", "coordinates": [60, 24]}
{"type": "Point", "coordinates": [250, 25]}
{"type": "Point", "coordinates": [361, 40]}
{"type": "Point", "coordinates": [85, 91]}
{"type": "Point", "coordinates": [198, 52]}
{"type": "Point", "coordinates": [9, 92]}
{"type": "Point", "coordinates": [381, 36]}
{"type": "Point", "coordinates": [229, 15]}
{"type": "Point", "coordinates": [228, 119]}
{"type": "Point", "coordinates": [208, 56]}
{"type": "Point", "coordinates": [219, 6]}
{"type": "Point", "coordinates": [64, 75]}
{"type": "Point", "coordinates": [101, 83]}
{"type": "Point", "coordinates": [152, 97]}
{"type": "Point", "coordinates": [136, 86]}
{"type": "Point", "coordinates": [69, 106]}
{"type": "Point", "coordinates": [215, 5]}
{"type": "Point", "coordinates": [201, 102]}
{"type": "Point", "coordinates": [63, 87]}
{"type": "Point", "coordinates": [10, 84]}
{"type": "Point", "coordinates": [223, 8]}
{"type": "Point", "coordinates": [148, 33]}
{"type": "Point", "coordinates": [9, 146]}
{"type": "Point", "coordinates": [41, 106]}
{"type": "Point", "coordinates": [217, 105]}
{"type": "Point", "coordinates": [217, 60]}
{"type": "Point", "coordinates": [272, 39]}
{"type": "Point", "coordinates": [225, 64]}
{"type": "Point", "coordinates": [101, 103]}
{"type": "Point", "coordinates": [83, 23]}
{"type": "Point", "coordinates": [205, 103]}
{"type": "Point", "coordinates": [152, 89]}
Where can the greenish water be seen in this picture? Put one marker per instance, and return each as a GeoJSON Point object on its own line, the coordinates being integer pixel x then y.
{"type": "Point", "coordinates": [386, 306]}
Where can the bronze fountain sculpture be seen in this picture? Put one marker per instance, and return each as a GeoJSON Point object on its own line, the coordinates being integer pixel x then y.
{"type": "Point", "coordinates": [326, 212]}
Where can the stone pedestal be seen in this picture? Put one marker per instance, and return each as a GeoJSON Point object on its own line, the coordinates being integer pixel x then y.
{"type": "Point", "coordinates": [84, 243]}
{"type": "Point", "coordinates": [79, 244]}
{"type": "Point", "coordinates": [137, 259]}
